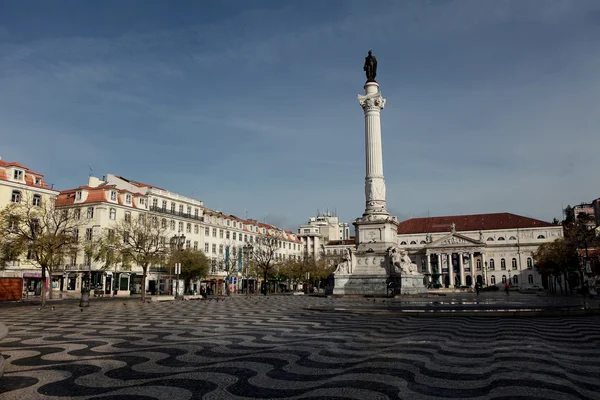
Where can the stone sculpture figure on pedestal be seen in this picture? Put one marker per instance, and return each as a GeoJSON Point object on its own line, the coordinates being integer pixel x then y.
{"type": "Point", "coordinates": [401, 262]}
{"type": "Point", "coordinates": [345, 267]}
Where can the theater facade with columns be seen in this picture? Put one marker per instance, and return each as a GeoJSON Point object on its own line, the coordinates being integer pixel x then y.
{"type": "Point", "coordinates": [491, 249]}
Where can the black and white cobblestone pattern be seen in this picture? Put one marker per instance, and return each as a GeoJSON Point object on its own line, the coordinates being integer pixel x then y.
{"type": "Point", "coordinates": [272, 348]}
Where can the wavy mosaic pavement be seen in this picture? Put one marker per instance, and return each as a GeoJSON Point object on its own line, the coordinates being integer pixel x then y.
{"type": "Point", "coordinates": [272, 348]}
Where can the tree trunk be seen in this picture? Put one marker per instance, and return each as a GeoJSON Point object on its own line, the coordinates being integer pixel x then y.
{"type": "Point", "coordinates": [265, 283]}
{"type": "Point", "coordinates": [568, 286]}
{"type": "Point", "coordinates": [43, 286]}
{"type": "Point", "coordinates": [50, 293]}
{"type": "Point", "coordinates": [144, 272]}
{"type": "Point", "coordinates": [556, 278]}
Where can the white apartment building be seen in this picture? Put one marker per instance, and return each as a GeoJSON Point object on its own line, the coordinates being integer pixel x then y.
{"type": "Point", "coordinates": [19, 184]}
{"type": "Point", "coordinates": [319, 231]}
{"type": "Point", "coordinates": [104, 202]}
{"type": "Point", "coordinates": [229, 238]}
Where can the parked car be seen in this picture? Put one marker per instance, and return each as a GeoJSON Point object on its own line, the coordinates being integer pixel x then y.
{"type": "Point", "coordinates": [533, 287]}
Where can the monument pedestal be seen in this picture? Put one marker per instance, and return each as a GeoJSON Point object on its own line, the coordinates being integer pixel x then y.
{"type": "Point", "coordinates": [408, 283]}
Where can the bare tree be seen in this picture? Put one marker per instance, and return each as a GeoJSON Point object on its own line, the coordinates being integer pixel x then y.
{"type": "Point", "coordinates": [264, 256]}
{"type": "Point", "coordinates": [47, 235]}
{"type": "Point", "coordinates": [141, 240]}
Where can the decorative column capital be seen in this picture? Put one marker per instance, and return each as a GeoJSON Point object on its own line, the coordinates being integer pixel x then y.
{"type": "Point", "coordinates": [371, 102]}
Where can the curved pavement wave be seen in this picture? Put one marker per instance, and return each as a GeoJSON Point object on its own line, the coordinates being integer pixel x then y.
{"type": "Point", "coordinates": [272, 347]}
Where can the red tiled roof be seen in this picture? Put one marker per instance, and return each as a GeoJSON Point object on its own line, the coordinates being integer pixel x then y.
{"type": "Point", "coordinates": [475, 222]}
{"type": "Point", "coordinates": [29, 174]}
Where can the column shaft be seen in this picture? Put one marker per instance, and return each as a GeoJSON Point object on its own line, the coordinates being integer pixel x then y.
{"type": "Point", "coordinates": [463, 280]}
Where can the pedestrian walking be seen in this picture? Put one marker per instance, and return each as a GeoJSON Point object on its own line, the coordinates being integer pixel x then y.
{"type": "Point", "coordinates": [477, 287]}
{"type": "Point", "coordinates": [506, 287]}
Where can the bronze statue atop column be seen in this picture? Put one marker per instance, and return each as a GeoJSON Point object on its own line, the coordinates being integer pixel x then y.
{"type": "Point", "coordinates": [370, 67]}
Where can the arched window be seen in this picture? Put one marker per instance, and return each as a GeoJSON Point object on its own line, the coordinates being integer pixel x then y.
{"type": "Point", "coordinates": [413, 242]}
{"type": "Point", "coordinates": [492, 264]}
{"type": "Point", "coordinates": [16, 196]}
{"type": "Point", "coordinates": [512, 238]}
{"type": "Point", "coordinates": [500, 238]}
{"type": "Point", "coordinates": [163, 223]}
{"type": "Point", "coordinates": [529, 263]}
{"type": "Point", "coordinates": [490, 239]}
{"type": "Point", "coordinates": [530, 278]}
{"type": "Point", "coordinates": [514, 263]}
{"type": "Point", "coordinates": [112, 214]}
{"type": "Point", "coordinates": [90, 212]}
{"type": "Point", "coordinates": [515, 280]}
{"type": "Point", "coordinates": [37, 200]}
{"type": "Point", "coordinates": [541, 237]}
{"type": "Point", "coordinates": [423, 242]}
{"type": "Point", "coordinates": [502, 264]}
{"type": "Point", "coordinates": [493, 280]}
{"type": "Point", "coordinates": [172, 223]}
{"type": "Point", "coordinates": [403, 243]}
{"type": "Point", "coordinates": [503, 278]}
{"type": "Point", "coordinates": [478, 264]}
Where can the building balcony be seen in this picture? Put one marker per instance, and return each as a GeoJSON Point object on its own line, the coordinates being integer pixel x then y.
{"type": "Point", "coordinates": [161, 210]}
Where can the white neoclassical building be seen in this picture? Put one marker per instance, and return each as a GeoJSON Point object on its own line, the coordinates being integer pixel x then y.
{"type": "Point", "coordinates": [321, 230]}
{"type": "Point", "coordinates": [460, 250]}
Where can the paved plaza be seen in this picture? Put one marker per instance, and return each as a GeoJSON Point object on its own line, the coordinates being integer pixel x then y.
{"type": "Point", "coordinates": [278, 347]}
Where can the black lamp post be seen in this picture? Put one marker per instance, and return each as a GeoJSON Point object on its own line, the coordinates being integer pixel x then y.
{"type": "Point", "coordinates": [179, 241]}
{"type": "Point", "coordinates": [84, 301]}
{"type": "Point", "coordinates": [248, 254]}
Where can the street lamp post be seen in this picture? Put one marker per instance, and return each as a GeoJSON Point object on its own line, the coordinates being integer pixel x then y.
{"type": "Point", "coordinates": [84, 301]}
{"type": "Point", "coordinates": [179, 241]}
{"type": "Point", "coordinates": [247, 254]}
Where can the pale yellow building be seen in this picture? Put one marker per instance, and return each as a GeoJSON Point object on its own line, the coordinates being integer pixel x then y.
{"type": "Point", "coordinates": [18, 185]}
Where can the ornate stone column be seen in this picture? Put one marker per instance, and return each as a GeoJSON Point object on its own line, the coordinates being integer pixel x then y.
{"type": "Point", "coordinates": [372, 103]}
{"type": "Point", "coordinates": [484, 267]}
{"type": "Point", "coordinates": [428, 262]}
{"type": "Point", "coordinates": [463, 280]}
{"type": "Point", "coordinates": [472, 268]}
{"type": "Point", "coordinates": [450, 269]}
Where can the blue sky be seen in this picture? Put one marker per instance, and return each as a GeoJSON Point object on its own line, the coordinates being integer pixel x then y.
{"type": "Point", "coordinates": [250, 106]}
